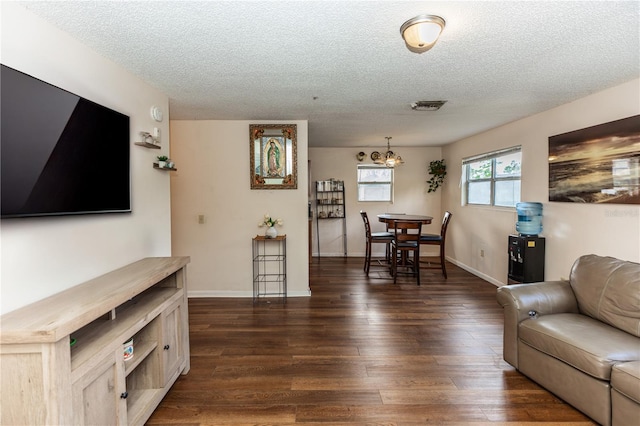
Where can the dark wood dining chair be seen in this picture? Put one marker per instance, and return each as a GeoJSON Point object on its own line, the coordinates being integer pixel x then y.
{"type": "Point", "coordinates": [373, 238]}
{"type": "Point", "coordinates": [406, 240]}
{"type": "Point", "coordinates": [389, 228]}
{"type": "Point", "coordinates": [437, 240]}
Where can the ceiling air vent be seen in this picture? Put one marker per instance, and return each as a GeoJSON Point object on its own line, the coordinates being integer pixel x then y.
{"type": "Point", "coordinates": [427, 105]}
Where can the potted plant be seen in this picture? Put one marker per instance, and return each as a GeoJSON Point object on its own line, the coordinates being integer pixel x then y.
{"type": "Point", "coordinates": [162, 161]}
{"type": "Point", "coordinates": [437, 170]}
{"type": "Point", "coordinates": [270, 223]}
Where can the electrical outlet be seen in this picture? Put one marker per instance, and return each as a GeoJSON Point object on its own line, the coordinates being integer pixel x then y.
{"type": "Point", "coordinates": [200, 219]}
{"type": "Point", "coordinates": [481, 253]}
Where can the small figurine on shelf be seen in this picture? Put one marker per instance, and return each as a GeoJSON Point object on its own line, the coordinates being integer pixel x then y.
{"type": "Point", "coordinates": [147, 138]}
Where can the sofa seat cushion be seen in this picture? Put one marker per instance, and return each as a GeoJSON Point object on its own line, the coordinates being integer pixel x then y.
{"type": "Point", "coordinates": [580, 341]}
{"type": "Point", "coordinates": [625, 378]}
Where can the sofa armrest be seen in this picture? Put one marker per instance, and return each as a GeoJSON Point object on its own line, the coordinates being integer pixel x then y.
{"type": "Point", "coordinates": [518, 301]}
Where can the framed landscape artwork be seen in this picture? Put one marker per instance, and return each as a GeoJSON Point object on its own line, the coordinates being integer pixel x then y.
{"type": "Point", "coordinates": [599, 164]}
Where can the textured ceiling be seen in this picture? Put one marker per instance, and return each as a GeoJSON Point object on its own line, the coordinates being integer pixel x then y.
{"type": "Point", "coordinates": [343, 66]}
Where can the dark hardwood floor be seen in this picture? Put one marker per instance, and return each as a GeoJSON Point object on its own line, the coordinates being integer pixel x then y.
{"type": "Point", "coordinates": [358, 351]}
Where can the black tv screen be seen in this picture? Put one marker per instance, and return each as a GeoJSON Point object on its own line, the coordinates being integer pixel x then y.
{"type": "Point", "coordinates": [60, 154]}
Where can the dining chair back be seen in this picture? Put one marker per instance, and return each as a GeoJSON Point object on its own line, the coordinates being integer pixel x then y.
{"type": "Point", "coordinates": [406, 241]}
{"type": "Point", "coordinates": [389, 228]}
{"type": "Point", "coordinates": [372, 238]}
{"type": "Point", "coordinates": [437, 240]}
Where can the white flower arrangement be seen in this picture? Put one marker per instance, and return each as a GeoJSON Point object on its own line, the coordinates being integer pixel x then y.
{"type": "Point", "coordinates": [269, 221]}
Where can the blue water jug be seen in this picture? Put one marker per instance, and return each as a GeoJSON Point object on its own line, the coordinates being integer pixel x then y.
{"type": "Point", "coordinates": [529, 218]}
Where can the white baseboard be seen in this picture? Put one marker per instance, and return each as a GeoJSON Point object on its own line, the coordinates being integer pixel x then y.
{"type": "Point", "coordinates": [476, 272]}
{"type": "Point", "coordinates": [238, 294]}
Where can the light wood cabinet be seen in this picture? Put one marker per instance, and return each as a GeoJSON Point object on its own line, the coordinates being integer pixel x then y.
{"type": "Point", "coordinates": [172, 341]}
{"type": "Point", "coordinates": [96, 395]}
{"type": "Point", "coordinates": [47, 380]}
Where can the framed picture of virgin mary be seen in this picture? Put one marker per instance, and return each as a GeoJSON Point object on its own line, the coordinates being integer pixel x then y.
{"type": "Point", "coordinates": [273, 162]}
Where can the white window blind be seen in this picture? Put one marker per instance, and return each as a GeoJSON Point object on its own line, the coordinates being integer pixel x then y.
{"type": "Point", "coordinates": [375, 183]}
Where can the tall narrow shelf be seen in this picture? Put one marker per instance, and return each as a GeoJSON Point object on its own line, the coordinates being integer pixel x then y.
{"type": "Point", "coordinates": [269, 267]}
{"type": "Point", "coordinates": [330, 205]}
{"type": "Point", "coordinates": [62, 358]}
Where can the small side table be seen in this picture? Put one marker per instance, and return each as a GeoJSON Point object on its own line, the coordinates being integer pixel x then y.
{"type": "Point", "coordinates": [269, 267]}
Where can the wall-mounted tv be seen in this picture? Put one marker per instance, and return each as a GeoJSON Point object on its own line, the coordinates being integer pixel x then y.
{"type": "Point", "coordinates": [60, 154]}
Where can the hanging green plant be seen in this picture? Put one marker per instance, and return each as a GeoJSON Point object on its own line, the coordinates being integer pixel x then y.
{"type": "Point", "coordinates": [437, 170]}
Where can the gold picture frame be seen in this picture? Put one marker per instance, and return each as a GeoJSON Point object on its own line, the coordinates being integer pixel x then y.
{"type": "Point", "coordinates": [273, 156]}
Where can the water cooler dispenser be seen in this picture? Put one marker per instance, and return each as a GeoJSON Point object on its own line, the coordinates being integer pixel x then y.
{"type": "Point", "coordinates": [526, 250]}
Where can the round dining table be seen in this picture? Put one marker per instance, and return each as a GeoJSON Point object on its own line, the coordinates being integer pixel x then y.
{"type": "Point", "coordinates": [390, 217]}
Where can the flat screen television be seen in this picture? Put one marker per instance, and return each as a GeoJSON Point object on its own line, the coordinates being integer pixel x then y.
{"type": "Point", "coordinates": [60, 154]}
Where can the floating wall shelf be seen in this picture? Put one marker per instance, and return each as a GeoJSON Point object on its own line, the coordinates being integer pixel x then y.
{"type": "Point", "coordinates": [147, 145]}
{"type": "Point", "coordinates": [156, 166]}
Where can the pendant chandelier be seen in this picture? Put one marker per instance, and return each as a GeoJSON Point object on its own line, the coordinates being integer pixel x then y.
{"type": "Point", "coordinates": [389, 159]}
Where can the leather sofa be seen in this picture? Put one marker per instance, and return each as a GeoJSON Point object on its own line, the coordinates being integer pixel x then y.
{"type": "Point", "coordinates": [580, 339]}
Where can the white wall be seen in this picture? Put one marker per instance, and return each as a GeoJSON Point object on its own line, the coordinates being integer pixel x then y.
{"type": "Point", "coordinates": [410, 196]}
{"type": "Point", "coordinates": [213, 180]}
{"type": "Point", "coordinates": [42, 256]}
{"type": "Point", "coordinates": [570, 229]}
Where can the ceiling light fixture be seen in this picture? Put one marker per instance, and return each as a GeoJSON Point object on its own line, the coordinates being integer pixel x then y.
{"type": "Point", "coordinates": [421, 33]}
{"type": "Point", "coordinates": [389, 159]}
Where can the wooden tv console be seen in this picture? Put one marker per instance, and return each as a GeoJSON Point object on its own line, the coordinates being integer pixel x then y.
{"type": "Point", "coordinates": [62, 358]}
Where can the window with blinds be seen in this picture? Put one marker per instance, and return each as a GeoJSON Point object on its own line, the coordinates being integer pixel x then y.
{"type": "Point", "coordinates": [493, 178]}
{"type": "Point", "coordinates": [375, 183]}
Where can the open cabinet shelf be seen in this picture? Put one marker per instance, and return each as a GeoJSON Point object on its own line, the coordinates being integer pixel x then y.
{"type": "Point", "coordinates": [89, 382]}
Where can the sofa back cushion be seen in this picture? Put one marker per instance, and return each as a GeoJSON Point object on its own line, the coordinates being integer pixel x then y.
{"type": "Point", "coordinates": [608, 290]}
